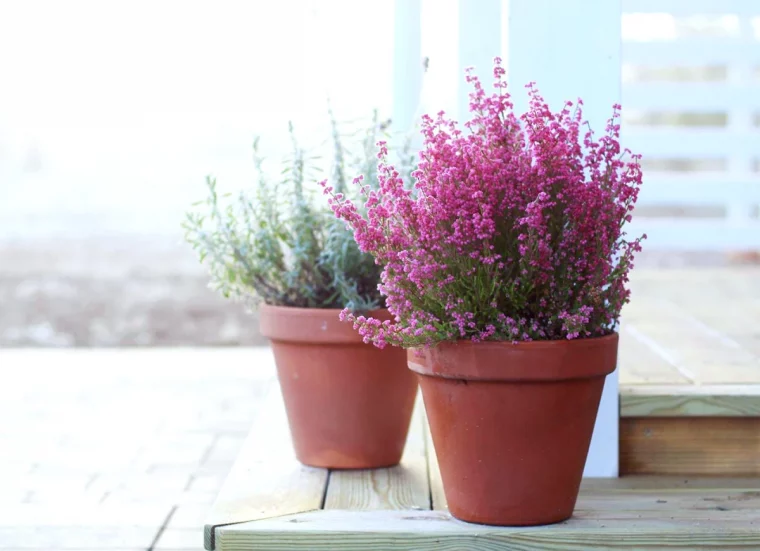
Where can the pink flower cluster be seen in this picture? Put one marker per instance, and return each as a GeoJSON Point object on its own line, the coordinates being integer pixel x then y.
{"type": "Point", "coordinates": [513, 229]}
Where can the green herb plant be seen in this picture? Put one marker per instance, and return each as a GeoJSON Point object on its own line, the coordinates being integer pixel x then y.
{"type": "Point", "coordinates": [279, 242]}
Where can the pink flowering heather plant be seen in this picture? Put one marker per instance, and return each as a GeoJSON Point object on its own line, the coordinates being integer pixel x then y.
{"type": "Point", "coordinates": [513, 230]}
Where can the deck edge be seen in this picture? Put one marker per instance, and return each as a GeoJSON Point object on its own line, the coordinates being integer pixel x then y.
{"type": "Point", "coordinates": [733, 400]}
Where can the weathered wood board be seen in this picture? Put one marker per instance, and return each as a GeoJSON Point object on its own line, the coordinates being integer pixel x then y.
{"type": "Point", "coordinates": [690, 446]}
{"type": "Point", "coordinates": [690, 401]}
{"type": "Point", "coordinates": [653, 514]}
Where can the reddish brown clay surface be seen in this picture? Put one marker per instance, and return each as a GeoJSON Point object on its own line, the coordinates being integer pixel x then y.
{"type": "Point", "coordinates": [512, 423]}
{"type": "Point", "coordinates": [349, 404]}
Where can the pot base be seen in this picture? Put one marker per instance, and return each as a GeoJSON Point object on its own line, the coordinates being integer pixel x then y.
{"type": "Point", "coordinates": [459, 515]}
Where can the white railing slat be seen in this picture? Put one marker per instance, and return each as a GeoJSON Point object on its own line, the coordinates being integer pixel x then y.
{"type": "Point", "coordinates": [688, 189]}
{"type": "Point", "coordinates": [691, 96]}
{"type": "Point", "coordinates": [689, 52]}
{"type": "Point", "coordinates": [697, 234]}
{"type": "Point", "coordinates": [692, 143]}
{"type": "Point", "coordinates": [690, 7]}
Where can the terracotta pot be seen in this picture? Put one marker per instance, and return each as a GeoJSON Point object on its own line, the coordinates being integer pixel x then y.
{"type": "Point", "coordinates": [512, 423]}
{"type": "Point", "coordinates": [349, 404]}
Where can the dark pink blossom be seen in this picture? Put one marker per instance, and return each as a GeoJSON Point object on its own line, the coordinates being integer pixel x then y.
{"type": "Point", "coordinates": [513, 231]}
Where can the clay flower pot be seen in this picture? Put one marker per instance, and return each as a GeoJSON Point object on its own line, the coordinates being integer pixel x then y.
{"type": "Point", "coordinates": [512, 423]}
{"type": "Point", "coordinates": [349, 404]}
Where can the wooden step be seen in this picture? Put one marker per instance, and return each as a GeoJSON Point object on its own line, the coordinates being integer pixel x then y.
{"type": "Point", "coordinates": [270, 501]}
{"type": "Point", "coordinates": [690, 373]}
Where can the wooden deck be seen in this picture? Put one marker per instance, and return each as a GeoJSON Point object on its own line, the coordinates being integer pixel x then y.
{"type": "Point", "coordinates": [270, 502]}
{"type": "Point", "coordinates": [690, 407]}
{"type": "Point", "coordinates": [690, 372]}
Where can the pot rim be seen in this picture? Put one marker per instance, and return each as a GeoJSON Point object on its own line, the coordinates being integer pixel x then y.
{"type": "Point", "coordinates": [532, 361]}
{"type": "Point", "coordinates": [294, 309]}
{"type": "Point", "coordinates": [309, 325]}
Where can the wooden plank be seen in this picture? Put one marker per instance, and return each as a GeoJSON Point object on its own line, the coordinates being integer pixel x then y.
{"type": "Point", "coordinates": [402, 487]}
{"type": "Point", "coordinates": [717, 519]}
{"type": "Point", "coordinates": [728, 307]}
{"type": "Point", "coordinates": [690, 446]}
{"type": "Point", "coordinates": [665, 355]}
{"type": "Point", "coordinates": [695, 350]}
{"type": "Point", "coordinates": [266, 480]}
{"type": "Point", "coordinates": [690, 401]}
{"type": "Point", "coordinates": [659, 483]}
{"type": "Point", "coordinates": [437, 495]}
{"type": "Point", "coordinates": [712, 340]}
{"type": "Point", "coordinates": [639, 364]}
{"type": "Point", "coordinates": [740, 330]}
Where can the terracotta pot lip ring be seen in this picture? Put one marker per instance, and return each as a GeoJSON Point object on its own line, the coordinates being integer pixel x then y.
{"type": "Point", "coordinates": [509, 379]}
{"type": "Point", "coordinates": [309, 325]}
{"type": "Point", "coordinates": [526, 362]}
{"type": "Point", "coordinates": [310, 311]}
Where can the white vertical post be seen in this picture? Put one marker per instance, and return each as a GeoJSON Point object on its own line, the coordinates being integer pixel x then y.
{"type": "Point", "coordinates": [739, 209]}
{"type": "Point", "coordinates": [571, 49]}
{"type": "Point", "coordinates": [479, 42]}
{"type": "Point", "coordinates": [407, 63]}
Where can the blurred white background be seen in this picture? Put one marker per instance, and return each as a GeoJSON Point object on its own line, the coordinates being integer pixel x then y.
{"type": "Point", "coordinates": [112, 113]}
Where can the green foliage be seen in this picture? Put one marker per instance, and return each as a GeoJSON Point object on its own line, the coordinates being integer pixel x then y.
{"type": "Point", "coordinates": [280, 243]}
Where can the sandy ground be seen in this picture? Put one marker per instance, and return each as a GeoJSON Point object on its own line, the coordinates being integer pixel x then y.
{"type": "Point", "coordinates": [115, 292]}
